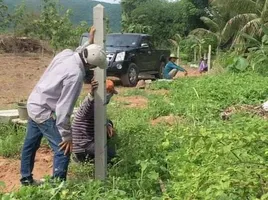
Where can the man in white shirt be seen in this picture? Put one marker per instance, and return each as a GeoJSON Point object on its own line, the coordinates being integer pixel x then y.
{"type": "Point", "coordinates": [50, 106]}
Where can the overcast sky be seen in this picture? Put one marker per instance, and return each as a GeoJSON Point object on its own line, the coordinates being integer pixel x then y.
{"type": "Point", "coordinates": [110, 1]}
{"type": "Point", "coordinates": [116, 1]}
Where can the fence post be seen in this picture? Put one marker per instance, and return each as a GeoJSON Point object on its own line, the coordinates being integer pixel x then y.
{"type": "Point", "coordinates": [195, 55]}
{"type": "Point", "coordinates": [178, 55]}
{"type": "Point", "coordinates": [100, 133]}
{"type": "Point", "coordinates": [209, 57]}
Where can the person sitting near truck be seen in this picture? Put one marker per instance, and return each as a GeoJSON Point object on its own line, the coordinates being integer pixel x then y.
{"type": "Point", "coordinates": [83, 127]}
{"type": "Point", "coordinates": [171, 69]}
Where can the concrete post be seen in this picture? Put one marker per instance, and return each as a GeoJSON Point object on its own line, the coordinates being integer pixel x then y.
{"type": "Point", "coordinates": [100, 99]}
{"type": "Point", "coordinates": [178, 55]}
{"type": "Point", "coordinates": [209, 57]}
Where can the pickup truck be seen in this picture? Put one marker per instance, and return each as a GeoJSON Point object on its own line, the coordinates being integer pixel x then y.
{"type": "Point", "coordinates": [132, 55]}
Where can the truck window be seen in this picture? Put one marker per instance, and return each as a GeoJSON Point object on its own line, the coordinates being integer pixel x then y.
{"type": "Point", "coordinates": [122, 40]}
{"type": "Point", "coordinates": [83, 40]}
{"type": "Point", "coordinates": [147, 41]}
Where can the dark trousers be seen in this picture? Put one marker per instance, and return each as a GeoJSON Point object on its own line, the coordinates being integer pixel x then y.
{"type": "Point", "coordinates": [89, 154]}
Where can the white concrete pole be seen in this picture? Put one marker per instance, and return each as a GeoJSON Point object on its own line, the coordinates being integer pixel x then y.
{"type": "Point", "coordinates": [209, 57]}
{"type": "Point", "coordinates": [100, 99]}
{"type": "Point", "coordinates": [178, 55]}
{"type": "Point", "coordinates": [195, 55]}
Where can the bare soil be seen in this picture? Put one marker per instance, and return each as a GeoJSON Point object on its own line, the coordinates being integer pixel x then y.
{"type": "Point", "coordinates": [18, 75]}
{"type": "Point", "coordinates": [250, 109]}
{"type": "Point", "coordinates": [169, 120]}
{"type": "Point", "coordinates": [133, 101]}
{"type": "Point", "coordinates": [10, 169]}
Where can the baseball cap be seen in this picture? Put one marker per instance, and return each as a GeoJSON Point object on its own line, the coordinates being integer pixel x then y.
{"type": "Point", "coordinates": [110, 87]}
{"type": "Point", "coordinates": [94, 55]}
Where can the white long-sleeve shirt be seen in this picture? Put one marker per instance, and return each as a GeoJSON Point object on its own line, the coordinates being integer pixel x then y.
{"type": "Point", "coordinates": [57, 91]}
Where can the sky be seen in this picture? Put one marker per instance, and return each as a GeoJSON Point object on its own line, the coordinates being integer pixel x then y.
{"type": "Point", "coordinates": [110, 1]}
{"type": "Point", "coordinates": [116, 1]}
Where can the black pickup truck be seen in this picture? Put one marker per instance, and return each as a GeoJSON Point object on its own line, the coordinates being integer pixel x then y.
{"type": "Point", "coordinates": [132, 55]}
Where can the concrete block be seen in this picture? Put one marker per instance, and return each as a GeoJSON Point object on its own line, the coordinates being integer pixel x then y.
{"type": "Point", "coordinates": [7, 115]}
{"type": "Point", "coordinates": [19, 121]}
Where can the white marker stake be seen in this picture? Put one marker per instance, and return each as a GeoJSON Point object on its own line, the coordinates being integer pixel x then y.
{"type": "Point", "coordinates": [100, 99]}
{"type": "Point", "coordinates": [209, 57]}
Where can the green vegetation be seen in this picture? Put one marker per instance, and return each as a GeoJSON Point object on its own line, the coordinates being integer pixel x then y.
{"type": "Point", "coordinates": [11, 140]}
{"type": "Point", "coordinates": [199, 157]}
{"type": "Point", "coordinates": [82, 10]}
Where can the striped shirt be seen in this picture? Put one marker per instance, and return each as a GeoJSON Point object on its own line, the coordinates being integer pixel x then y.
{"type": "Point", "coordinates": [83, 126]}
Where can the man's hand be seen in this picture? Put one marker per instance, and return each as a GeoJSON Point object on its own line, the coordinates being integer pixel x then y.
{"type": "Point", "coordinates": [110, 131]}
{"type": "Point", "coordinates": [94, 86]}
{"type": "Point", "coordinates": [92, 30]}
{"type": "Point", "coordinates": [91, 35]}
{"type": "Point", "coordinates": [67, 145]}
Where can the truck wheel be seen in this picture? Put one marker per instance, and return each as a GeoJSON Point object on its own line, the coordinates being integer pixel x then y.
{"type": "Point", "coordinates": [130, 78]}
{"type": "Point", "coordinates": [161, 70]}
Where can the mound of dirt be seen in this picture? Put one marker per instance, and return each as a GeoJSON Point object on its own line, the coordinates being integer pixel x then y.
{"type": "Point", "coordinates": [133, 101]}
{"type": "Point", "coordinates": [9, 44]}
{"type": "Point", "coordinates": [10, 169]}
{"type": "Point", "coordinates": [169, 120]}
{"type": "Point", "coordinates": [251, 109]}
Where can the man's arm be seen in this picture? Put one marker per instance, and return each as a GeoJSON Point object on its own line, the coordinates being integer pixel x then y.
{"type": "Point", "coordinates": [86, 108]}
{"type": "Point", "coordinates": [178, 67]}
{"type": "Point", "coordinates": [91, 35]}
{"type": "Point", "coordinates": [65, 106]}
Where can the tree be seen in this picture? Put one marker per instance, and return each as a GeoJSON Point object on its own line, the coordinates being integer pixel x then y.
{"type": "Point", "coordinates": [128, 6]}
{"type": "Point", "coordinates": [162, 19]}
{"type": "Point", "coordinates": [4, 16]}
{"type": "Point", "coordinates": [56, 27]}
{"type": "Point", "coordinates": [247, 19]}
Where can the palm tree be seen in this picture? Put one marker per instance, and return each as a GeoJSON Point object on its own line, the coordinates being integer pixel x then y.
{"type": "Point", "coordinates": [248, 19]}
{"type": "Point", "coordinates": [230, 19]}
{"type": "Point", "coordinates": [213, 31]}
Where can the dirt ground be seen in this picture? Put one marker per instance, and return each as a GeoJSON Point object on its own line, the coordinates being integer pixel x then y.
{"type": "Point", "coordinates": [18, 75]}
{"type": "Point", "coordinates": [10, 169]}
{"type": "Point", "coordinates": [133, 101]}
{"type": "Point", "coordinates": [169, 120]}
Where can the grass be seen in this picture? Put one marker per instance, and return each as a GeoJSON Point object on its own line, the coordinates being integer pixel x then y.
{"type": "Point", "coordinates": [201, 158]}
{"type": "Point", "coordinates": [11, 140]}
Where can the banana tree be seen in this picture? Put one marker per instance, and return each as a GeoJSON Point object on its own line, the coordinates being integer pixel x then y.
{"type": "Point", "coordinates": [258, 51]}
{"type": "Point", "coordinates": [198, 45]}
{"type": "Point", "coordinates": [213, 31]}
{"type": "Point", "coordinates": [176, 45]}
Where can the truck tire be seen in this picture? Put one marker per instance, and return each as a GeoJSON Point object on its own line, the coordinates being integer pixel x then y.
{"type": "Point", "coordinates": [130, 79]}
{"type": "Point", "coordinates": [161, 70]}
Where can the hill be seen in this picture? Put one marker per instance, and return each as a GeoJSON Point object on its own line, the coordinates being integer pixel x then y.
{"type": "Point", "coordinates": [82, 10]}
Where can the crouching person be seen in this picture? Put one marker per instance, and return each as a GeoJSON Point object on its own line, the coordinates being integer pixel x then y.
{"type": "Point", "coordinates": [171, 69]}
{"type": "Point", "coordinates": [83, 127]}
